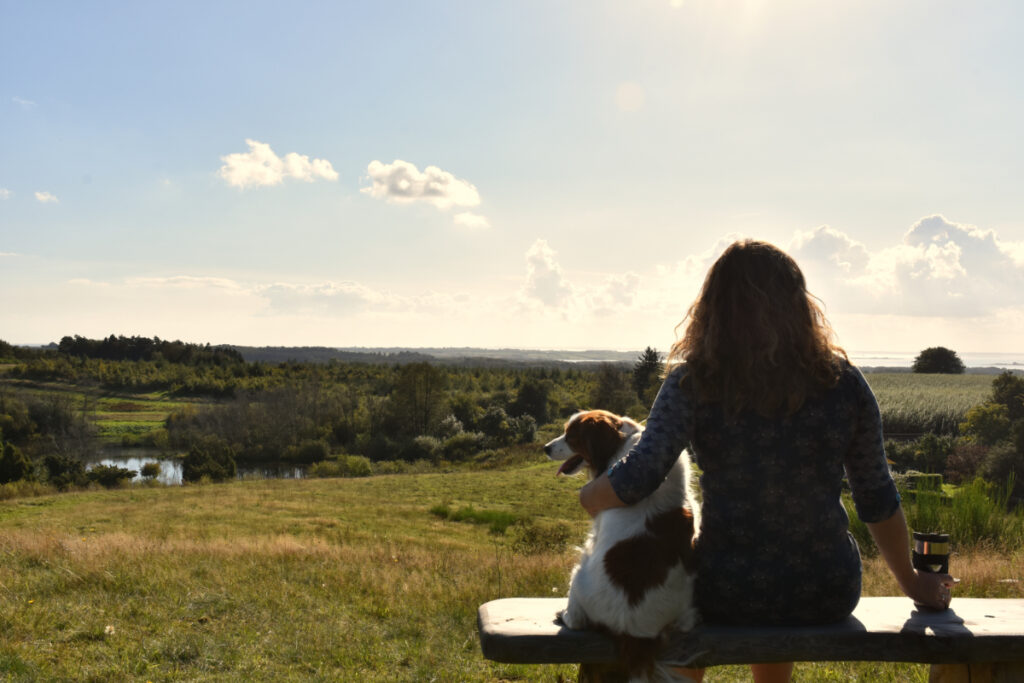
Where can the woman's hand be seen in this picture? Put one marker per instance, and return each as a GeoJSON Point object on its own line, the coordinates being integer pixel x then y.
{"type": "Point", "coordinates": [930, 590]}
{"type": "Point", "coordinates": [599, 495]}
{"type": "Point", "coordinates": [892, 539]}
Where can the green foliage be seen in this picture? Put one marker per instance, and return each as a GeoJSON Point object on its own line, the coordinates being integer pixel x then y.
{"type": "Point", "coordinates": [613, 391]}
{"type": "Point", "coordinates": [977, 516]}
{"type": "Point", "coordinates": [988, 423]}
{"type": "Point", "coordinates": [964, 464]}
{"type": "Point", "coordinates": [1008, 390]}
{"type": "Point", "coordinates": [927, 454]}
{"type": "Point", "coordinates": [64, 471]}
{"type": "Point", "coordinates": [109, 476]}
{"type": "Point", "coordinates": [647, 375]}
{"type": "Point", "coordinates": [308, 451]}
{"type": "Point", "coordinates": [417, 399]}
{"type": "Point", "coordinates": [463, 446]}
{"type": "Point", "coordinates": [14, 466]}
{"type": "Point", "coordinates": [341, 466]}
{"type": "Point", "coordinates": [938, 359]}
{"type": "Point", "coordinates": [1004, 466]}
{"type": "Point", "coordinates": [209, 457]}
{"type": "Point", "coordinates": [533, 399]}
{"type": "Point", "coordinates": [497, 520]}
{"type": "Point", "coordinates": [143, 348]}
{"type": "Point", "coordinates": [150, 470]}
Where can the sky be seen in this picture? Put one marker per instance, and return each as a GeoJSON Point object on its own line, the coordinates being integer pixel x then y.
{"type": "Point", "coordinates": [528, 174]}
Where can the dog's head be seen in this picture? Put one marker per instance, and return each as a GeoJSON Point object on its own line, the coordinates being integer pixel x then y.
{"type": "Point", "coordinates": [592, 438]}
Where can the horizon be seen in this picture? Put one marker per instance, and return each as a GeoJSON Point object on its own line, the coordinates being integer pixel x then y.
{"type": "Point", "coordinates": [528, 176]}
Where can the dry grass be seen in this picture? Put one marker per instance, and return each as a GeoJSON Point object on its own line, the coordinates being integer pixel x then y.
{"type": "Point", "coordinates": [307, 580]}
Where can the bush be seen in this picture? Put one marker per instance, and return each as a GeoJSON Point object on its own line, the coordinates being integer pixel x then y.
{"type": "Point", "coordinates": [1008, 389]}
{"type": "Point", "coordinates": [988, 423]}
{"type": "Point", "coordinates": [422, 448]}
{"type": "Point", "coordinates": [210, 457]}
{"type": "Point", "coordinates": [309, 451]}
{"type": "Point", "coordinates": [110, 476]}
{"type": "Point", "coordinates": [151, 470]}
{"type": "Point", "coordinates": [938, 359]}
{"type": "Point", "coordinates": [342, 466]}
{"type": "Point", "coordinates": [1004, 466]}
{"type": "Point", "coordinates": [965, 461]}
{"type": "Point", "coordinates": [64, 471]}
{"type": "Point", "coordinates": [14, 465]}
{"type": "Point", "coordinates": [463, 446]}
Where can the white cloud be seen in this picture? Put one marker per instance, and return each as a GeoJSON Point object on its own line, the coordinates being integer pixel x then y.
{"type": "Point", "coordinates": [46, 198]}
{"type": "Point", "coordinates": [187, 282]}
{"type": "Point", "coordinates": [471, 220]}
{"type": "Point", "coordinates": [261, 166]}
{"type": "Point", "coordinates": [402, 182]}
{"type": "Point", "coordinates": [8, 253]}
{"type": "Point", "coordinates": [5, 193]}
{"type": "Point", "coordinates": [545, 282]}
{"type": "Point", "coordinates": [940, 268]}
{"type": "Point", "coordinates": [23, 103]}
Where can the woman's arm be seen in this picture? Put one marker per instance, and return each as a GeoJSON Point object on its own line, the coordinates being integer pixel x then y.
{"type": "Point", "coordinates": [599, 495]}
{"type": "Point", "coordinates": [891, 537]}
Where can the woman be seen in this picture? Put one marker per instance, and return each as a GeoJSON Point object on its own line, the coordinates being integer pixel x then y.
{"type": "Point", "coordinates": [774, 413]}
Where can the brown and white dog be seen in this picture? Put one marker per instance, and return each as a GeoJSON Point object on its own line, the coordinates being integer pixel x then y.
{"type": "Point", "coordinates": [636, 570]}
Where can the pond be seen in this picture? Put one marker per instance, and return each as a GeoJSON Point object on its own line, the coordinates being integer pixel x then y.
{"type": "Point", "coordinates": [170, 468]}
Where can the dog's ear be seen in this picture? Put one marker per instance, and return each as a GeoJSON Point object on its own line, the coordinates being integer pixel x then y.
{"type": "Point", "coordinates": [602, 439]}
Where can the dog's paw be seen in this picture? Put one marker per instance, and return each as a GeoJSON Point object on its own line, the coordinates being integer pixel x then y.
{"type": "Point", "coordinates": [572, 619]}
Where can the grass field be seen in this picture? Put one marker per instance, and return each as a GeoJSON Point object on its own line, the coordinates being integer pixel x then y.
{"type": "Point", "coordinates": [117, 415]}
{"type": "Point", "coordinates": [913, 404]}
{"type": "Point", "coordinates": [295, 580]}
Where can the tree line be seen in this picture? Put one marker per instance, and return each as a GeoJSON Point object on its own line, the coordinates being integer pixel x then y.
{"type": "Point", "coordinates": [301, 412]}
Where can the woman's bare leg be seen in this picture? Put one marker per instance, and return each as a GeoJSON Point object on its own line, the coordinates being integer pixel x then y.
{"type": "Point", "coordinates": [779, 672]}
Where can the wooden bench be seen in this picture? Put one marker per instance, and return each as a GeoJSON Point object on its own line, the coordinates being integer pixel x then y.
{"type": "Point", "coordinates": [976, 640]}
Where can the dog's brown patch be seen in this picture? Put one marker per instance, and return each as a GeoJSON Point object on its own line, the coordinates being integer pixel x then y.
{"type": "Point", "coordinates": [642, 562]}
{"type": "Point", "coordinates": [595, 436]}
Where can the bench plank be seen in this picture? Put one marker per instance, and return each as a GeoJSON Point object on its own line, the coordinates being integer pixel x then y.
{"type": "Point", "coordinates": [525, 630]}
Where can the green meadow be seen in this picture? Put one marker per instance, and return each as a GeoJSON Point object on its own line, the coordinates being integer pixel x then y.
{"type": "Point", "coordinates": [373, 579]}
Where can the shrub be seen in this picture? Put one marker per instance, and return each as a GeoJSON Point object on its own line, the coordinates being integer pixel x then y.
{"type": "Point", "coordinates": [110, 476]}
{"type": "Point", "coordinates": [495, 426]}
{"type": "Point", "coordinates": [422, 448]}
{"type": "Point", "coordinates": [524, 428]}
{"type": "Point", "coordinates": [964, 462]}
{"type": "Point", "coordinates": [308, 451]}
{"type": "Point", "coordinates": [342, 466]}
{"type": "Point", "coordinates": [14, 465]}
{"type": "Point", "coordinates": [1004, 466]}
{"type": "Point", "coordinates": [988, 423]}
{"type": "Point", "coordinates": [938, 359]}
{"type": "Point", "coordinates": [1008, 389]}
{"type": "Point", "coordinates": [64, 471]}
{"type": "Point", "coordinates": [210, 457]}
{"type": "Point", "coordinates": [463, 446]}
{"type": "Point", "coordinates": [151, 470]}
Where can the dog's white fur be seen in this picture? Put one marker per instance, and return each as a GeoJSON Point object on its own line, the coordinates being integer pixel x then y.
{"type": "Point", "coordinates": [594, 597]}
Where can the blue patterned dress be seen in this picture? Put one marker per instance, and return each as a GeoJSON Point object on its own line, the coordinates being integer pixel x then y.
{"type": "Point", "coordinates": [774, 545]}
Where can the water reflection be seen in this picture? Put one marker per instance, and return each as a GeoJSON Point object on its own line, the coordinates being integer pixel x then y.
{"type": "Point", "coordinates": [171, 469]}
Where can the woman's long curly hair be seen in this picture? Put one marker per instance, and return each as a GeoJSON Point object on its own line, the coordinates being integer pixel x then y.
{"type": "Point", "coordinates": [756, 339]}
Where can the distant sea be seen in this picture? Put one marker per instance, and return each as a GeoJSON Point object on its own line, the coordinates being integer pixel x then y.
{"type": "Point", "coordinates": [895, 359]}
